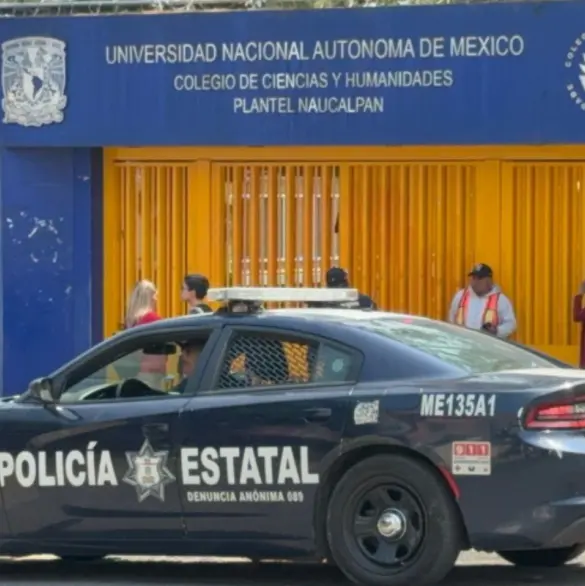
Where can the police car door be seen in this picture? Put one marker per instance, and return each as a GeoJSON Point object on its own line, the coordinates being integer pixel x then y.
{"type": "Point", "coordinates": [96, 470]}
{"type": "Point", "coordinates": [253, 443]}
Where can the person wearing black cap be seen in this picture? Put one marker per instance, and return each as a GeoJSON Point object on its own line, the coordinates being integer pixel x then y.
{"type": "Point", "coordinates": [337, 278]}
{"type": "Point", "coordinates": [194, 292]}
{"type": "Point", "coordinates": [482, 305]}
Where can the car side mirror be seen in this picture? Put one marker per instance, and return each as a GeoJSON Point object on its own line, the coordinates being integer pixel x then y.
{"type": "Point", "coordinates": [42, 388]}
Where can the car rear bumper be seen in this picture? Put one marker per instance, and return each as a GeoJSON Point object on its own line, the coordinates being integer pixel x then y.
{"type": "Point", "coordinates": [555, 525]}
{"type": "Point", "coordinates": [535, 498]}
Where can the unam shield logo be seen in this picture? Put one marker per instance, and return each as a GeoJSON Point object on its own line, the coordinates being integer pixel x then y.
{"type": "Point", "coordinates": [575, 63]}
{"type": "Point", "coordinates": [33, 81]}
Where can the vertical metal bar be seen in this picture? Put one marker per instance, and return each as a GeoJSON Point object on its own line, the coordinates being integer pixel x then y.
{"type": "Point", "coordinates": [169, 205]}
{"type": "Point", "coordinates": [130, 220]}
{"type": "Point", "coordinates": [228, 186]}
{"type": "Point", "coordinates": [317, 226]}
{"type": "Point", "coordinates": [403, 219]}
{"type": "Point", "coordinates": [237, 222]}
{"type": "Point", "coordinates": [263, 226]}
{"type": "Point", "coordinates": [346, 219]}
{"type": "Point", "coordinates": [146, 232]}
{"type": "Point", "coordinates": [246, 196]}
{"type": "Point", "coordinates": [562, 252]}
{"type": "Point", "coordinates": [121, 258]}
{"type": "Point", "coordinates": [220, 244]}
{"type": "Point", "coordinates": [386, 245]}
{"type": "Point", "coordinates": [184, 182]}
{"type": "Point", "coordinates": [358, 223]}
{"type": "Point", "coordinates": [162, 231]}
{"type": "Point", "coordinates": [272, 225]}
{"type": "Point", "coordinates": [375, 233]}
{"type": "Point", "coordinates": [254, 226]}
{"type": "Point", "coordinates": [175, 192]}
{"type": "Point", "coordinates": [327, 221]}
{"type": "Point", "coordinates": [300, 226]}
{"type": "Point", "coordinates": [543, 210]}
{"type": "Point", "coordinates": [282, 229]}
{"type": "Point", "coordinates": [532, 276]}
{"type": "Point", "coordinates": [307, 220]}
{"type": "Point", "coordinates": [113, 245]}
{"type": "Point", "coordinates": [363, 209]}
{"type": "Point", "coordinates": [335, 216]}
{"type": "Point", "coordinates": [414, 274]}
{"type": "Point", "coordinates": [291, 179]}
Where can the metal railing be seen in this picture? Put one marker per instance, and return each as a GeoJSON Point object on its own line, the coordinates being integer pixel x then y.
{"type": "Point", "coordinates": [10, 8]}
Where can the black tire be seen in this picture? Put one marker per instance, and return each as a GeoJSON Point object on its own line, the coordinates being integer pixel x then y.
{"type": "Point", "coordinates": [439, 535]}
{"type": "Point", "coordinates": [543, 558]}
{"type": "Point", "coordinates": [81, 559]}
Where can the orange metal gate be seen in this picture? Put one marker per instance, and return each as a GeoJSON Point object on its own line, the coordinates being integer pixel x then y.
{"type": "Point", "coordinates": [409, 232]}
{"type": "Point", "coordinates": [145, 235]}
{"type": "Point", "coordinates": [542, 236]}
{"type": "Point", "coordinates": [407, 223]}
{"type": "Point", "coordinates": [277, 223]}
{"type": "Point", "coordinates": [286, 224]}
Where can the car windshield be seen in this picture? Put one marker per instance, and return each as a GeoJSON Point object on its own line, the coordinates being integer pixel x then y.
{"type": "Point", "coordinates": [465, 349]}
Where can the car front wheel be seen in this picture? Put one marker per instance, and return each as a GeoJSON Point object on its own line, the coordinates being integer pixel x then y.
{"type": "Point", "coordinates": [543, 558]}
{"type": "Point", "coordinates": [392, 522]}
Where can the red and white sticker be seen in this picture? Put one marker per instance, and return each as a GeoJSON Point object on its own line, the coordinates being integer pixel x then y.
{"type": "Point", "coordinates": [471, 459]}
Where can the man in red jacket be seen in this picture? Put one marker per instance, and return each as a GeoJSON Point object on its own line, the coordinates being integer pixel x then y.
{"type": "Point", "coordinates": [579, 317]}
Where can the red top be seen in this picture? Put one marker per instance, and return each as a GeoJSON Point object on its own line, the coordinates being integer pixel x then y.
{"type": "Point", "coordinates": [579, 316]}
{"type": "Point", "coordinates": [149, 363]}
{"type": "Point", "coordinates": [147, 318]}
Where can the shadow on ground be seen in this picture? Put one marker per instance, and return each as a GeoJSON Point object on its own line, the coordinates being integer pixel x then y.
{"type": "Point", "coordinates": [113, 571]}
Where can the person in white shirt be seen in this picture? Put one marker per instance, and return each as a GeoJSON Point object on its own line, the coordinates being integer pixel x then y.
{"type": "Point", "coordinates": [483, 306]}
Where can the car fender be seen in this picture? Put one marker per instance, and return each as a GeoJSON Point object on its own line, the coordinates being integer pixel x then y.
{"type": "Point", "coordinates": [376, 441]}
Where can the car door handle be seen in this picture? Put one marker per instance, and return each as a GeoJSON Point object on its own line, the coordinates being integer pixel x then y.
{"type": "Point", "coordinates": [317, 414]}
{"type": "Point", "coordinates": [156, 431]}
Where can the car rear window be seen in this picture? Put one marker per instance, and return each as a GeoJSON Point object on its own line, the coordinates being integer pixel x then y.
{"type": "Point", "coordinates": [264, 360]}
{"type": "Point", "coordinates": [465, 349]}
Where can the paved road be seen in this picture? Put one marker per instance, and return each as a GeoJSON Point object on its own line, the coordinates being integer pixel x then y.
{"type": "Point", "coordinates": [473, 569]}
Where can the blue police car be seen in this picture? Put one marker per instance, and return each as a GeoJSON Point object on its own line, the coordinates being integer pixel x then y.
{"type": "Point", "coordinates": [383, 443]}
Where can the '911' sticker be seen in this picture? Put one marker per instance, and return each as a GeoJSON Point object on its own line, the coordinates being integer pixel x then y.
{"type": "Point", "coordinates": [457, 405]}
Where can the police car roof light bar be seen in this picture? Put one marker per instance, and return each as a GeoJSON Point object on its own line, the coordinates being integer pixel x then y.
{"type": "Point", "coordinates": [282, 294]}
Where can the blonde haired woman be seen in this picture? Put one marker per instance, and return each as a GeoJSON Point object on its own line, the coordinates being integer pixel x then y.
{"type": "Point", "coordinates": [142, 310]}
{"type": "Point", "coordinates": [142, 305]}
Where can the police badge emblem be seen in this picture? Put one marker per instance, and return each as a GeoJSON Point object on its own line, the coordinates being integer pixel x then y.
{"type": "Point", "coordinates": [33, 81]}
{"type": "Point", "coordinates": [148, 472]}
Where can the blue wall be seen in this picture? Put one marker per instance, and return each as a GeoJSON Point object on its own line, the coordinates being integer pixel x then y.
{"type": "Point", "coordinates": [47, 243]}
{"type": "Point", "coordinates": [486, 74]}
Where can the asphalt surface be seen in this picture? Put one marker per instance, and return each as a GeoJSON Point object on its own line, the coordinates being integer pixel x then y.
{"type": "Point", "coordinates": [473, 569]}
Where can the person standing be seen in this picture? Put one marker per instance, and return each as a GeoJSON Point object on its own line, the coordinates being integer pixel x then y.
{"type": "Point", "coordinates": [194, 292]}
{"type": "Point", "coordinates": [579, 317]}
{"type": "Point", "coordinates": [482, 305]}
{"type": "Point", "coordinates": [142, 310]}
{"type": "Point", "coordinates": [142, 305]}
{"type": "Point", "coordinates": [338, 278]}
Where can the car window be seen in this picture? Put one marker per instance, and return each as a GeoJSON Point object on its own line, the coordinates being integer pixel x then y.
{"type": "Point", "coordinates": [465, 349]}
{"type": "Point", "coordinates": [153, 370]}
{"type": "Point", "coordinates": [159, 372]}
{"type": "Point", "coordinates": [257, 360]}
